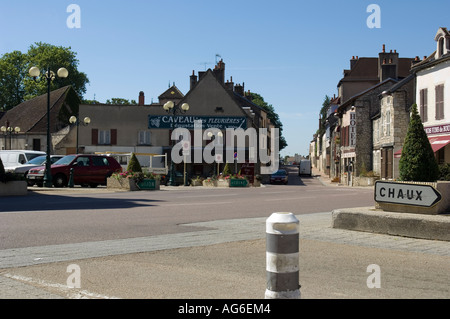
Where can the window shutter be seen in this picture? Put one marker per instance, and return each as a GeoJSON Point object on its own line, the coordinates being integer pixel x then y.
{"type": "Point", "coordinates": [94, 136]}
{"type": "Point", "coordinates": [114, 137]}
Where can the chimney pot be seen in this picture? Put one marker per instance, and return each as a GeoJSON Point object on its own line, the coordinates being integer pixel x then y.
{"type": "Point", "coordinates": [384, 48]}
{"type": "Point", "coordinates": [141, 98]}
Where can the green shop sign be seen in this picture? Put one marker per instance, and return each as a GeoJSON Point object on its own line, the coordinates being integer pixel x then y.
{"type": "Point", "coordinates": [238, 182]}
{"type": "Point", "coordinates": [187, 122]}
{"type": "Point", "coordinates": [147, 184]}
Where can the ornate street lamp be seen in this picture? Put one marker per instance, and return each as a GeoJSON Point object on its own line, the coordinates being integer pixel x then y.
{"type": "Point", "coordinates": [48, 76]}
{"type": "Point", "coordinates": [172, 109]}
{"type": "Point", "coordinates": [76, 121]}
{"type": "Point", "coordinates": [8, 130]}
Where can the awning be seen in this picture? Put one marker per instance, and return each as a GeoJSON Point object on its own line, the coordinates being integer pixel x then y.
{"type": "Point", "coordinates": [437, 143]}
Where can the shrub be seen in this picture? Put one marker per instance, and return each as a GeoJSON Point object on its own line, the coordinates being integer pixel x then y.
{"type": "Point", "coordinates": [444, 172]}
{"type": "Point", "coordinates": [417, 162]}
{"type": "Point", "coordinates": [226, 170]}
{"type": "Point", "coordinates": [133, 165]}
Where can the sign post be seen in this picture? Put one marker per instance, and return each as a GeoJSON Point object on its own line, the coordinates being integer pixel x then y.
{"type": "Point", "coordinates": [406, 194]}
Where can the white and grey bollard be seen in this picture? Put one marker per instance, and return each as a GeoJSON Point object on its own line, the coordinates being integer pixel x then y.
{"type": "Point", "coordinates": [282, 256]}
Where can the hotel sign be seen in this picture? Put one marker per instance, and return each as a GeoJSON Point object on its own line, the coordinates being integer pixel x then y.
{"type": "Point", "coordinates": [187, 122]}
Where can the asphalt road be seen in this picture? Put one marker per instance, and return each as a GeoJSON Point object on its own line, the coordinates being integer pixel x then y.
{"type": "Point", "coordinates": [62, 217]}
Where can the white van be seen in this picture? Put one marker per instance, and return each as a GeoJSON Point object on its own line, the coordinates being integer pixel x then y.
{"type": "Point", "coordinates": [305, 168]}
{"type": "Point", "coordinates": [15, 158]}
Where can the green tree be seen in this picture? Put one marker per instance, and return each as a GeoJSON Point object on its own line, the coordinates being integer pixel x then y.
{"type": "Point", "coordinates": [134, 165]}
{"type": "Point", "coordinates": [417, 162]}
{"type": "Point", "coordinates": [226, 170]}
{"type": "Point", "coordinates": [17, 86]}
{"type": "Point", "coordinates": [12, 75]}
{"type": "Point", "coordinates": [271, 115]}
{"type": "Point", "coordinates": [120, 101]}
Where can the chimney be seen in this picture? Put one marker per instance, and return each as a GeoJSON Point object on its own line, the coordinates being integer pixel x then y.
{"type": "Point", "coordinates": [353, 62]}
{"type": "Point", "coordinates": [239, 89]}
{"type": "Point", "coordinates": [388, 64]}
{"type": "Point", "coordinates": [415, 61]}
{"type": "Point", "coordinates": [141, 98]}
{"type": "Point", "coordinates": [230, 84]}
{"type": "Point", "coordinates": [193, 79]}
{"type": "Point", "coordinates": [219, 71]}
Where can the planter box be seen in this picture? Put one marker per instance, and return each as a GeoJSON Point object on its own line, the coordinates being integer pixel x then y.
{"type": "Point", "coordinates": [196, 183]}
{"type": "Point", "coordinates": [211, 183]}
{"type": "Point", "coordinates": [14, 188]}
{"type": "Point", "coordinates": [129, 184]}
{"type": "Point", "coordinates": [365, 181]}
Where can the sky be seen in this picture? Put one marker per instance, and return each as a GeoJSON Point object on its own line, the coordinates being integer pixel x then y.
{"type": "Point", "coordinates": [290, 52]}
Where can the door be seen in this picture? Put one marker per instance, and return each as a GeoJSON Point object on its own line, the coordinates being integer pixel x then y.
{"type": "Point", "coordinates": [82, 170]}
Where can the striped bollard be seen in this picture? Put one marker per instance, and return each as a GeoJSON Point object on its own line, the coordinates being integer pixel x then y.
{"type": "Point", "coordinates": [282, 256]}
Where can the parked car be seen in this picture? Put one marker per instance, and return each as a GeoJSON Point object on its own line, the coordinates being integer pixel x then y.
{"type": "Point", "coordinates": [35, 162]}
{"type": "Point", "coordinates": [92, 170]}
{"type": "Point", "coordinates": [15, 158]}
{"type": "Point", "coordinates": [280, 176]}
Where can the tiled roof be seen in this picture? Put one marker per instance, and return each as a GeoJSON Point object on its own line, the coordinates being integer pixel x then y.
{"type": "Point", "coordinates": [30, 115]}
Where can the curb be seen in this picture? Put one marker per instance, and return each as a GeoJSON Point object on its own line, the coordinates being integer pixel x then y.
{"type": "Point", "coordinates": [369, 219]}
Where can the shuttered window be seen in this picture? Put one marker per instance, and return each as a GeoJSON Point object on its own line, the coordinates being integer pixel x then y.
{"type": "Point", "coordinates": [424, 105]}
{"type": "Point", "coordinates": [439, 102]}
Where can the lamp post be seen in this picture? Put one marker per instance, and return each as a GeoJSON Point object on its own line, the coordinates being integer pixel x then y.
{"type": "Point", "coordinates": [76, 121]}
{"type": "Point", "coordinates": [172, 109]}
{"type": "Point", "coordinates": [8, 130]}
{"type": "Point", "coordinates": [48, 76]}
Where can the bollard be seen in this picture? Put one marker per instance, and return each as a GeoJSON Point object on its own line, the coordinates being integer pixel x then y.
{"type": "Point", "coordinates": [71, 178]}
{"type": "Point", "coordinates": [282, 256]}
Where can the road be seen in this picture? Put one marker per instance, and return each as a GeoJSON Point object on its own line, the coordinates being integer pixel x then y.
{"type": "Point", "coordinates": [54, 218]}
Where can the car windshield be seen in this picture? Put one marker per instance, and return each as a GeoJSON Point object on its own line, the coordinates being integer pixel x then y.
{"type": "Point", "coordinates": [65, 160]}
{"type": "Point", "coordinates": [37, 160]}
{"type": "Point", "coordinates": [31, 156]}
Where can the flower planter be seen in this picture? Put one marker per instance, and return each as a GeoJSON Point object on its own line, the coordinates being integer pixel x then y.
{"type": "Point", "coordinates": [14, 188]}
{"type": "Point", "coordinates": [210, 183]}
{"type": "Point", "coordinates": [130, 184]}
{"type": "Point", "coordinates": [196, 183]}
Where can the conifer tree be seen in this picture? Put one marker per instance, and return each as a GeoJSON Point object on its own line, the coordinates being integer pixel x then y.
{"type": "Point", "coordinates": [134, 165]}
{"type": "Point", "coordinates": [417, 162]}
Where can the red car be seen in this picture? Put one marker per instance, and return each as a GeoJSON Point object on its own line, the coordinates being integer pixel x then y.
{"type": "Point", "coordinates": [89, 170]}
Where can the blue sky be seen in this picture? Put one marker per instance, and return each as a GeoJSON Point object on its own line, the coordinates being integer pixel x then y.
{"type": "Point", "coordinates": [291, 52]}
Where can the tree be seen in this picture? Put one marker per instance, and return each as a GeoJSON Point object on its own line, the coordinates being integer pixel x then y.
{"type": "Point", "coordinates": [271, 115]}
{"type": "Point", "coordinates": [417, 162]}
{"type": "Point", "coordinates": [12, 75]}
{"type": "Point", "coordinates": [17, 86]}
{"type": "Point", "coordinates": [226, 170]}
{"type": "Point", "coordinates": [120, 101]}
{"type": "Point", "coordinates": [134, 165]}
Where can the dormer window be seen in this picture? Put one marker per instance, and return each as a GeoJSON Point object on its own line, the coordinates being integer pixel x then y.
{"type": "Point", "coordinates": [443, 42]}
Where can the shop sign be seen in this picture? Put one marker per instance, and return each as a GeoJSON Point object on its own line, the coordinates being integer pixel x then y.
{"type": "Point", "coordinates": [187, 122]}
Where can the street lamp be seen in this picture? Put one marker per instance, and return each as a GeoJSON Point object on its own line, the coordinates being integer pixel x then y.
{"type": "Point", "coordinates": [172, 109]}
{"type": "Point", "coordinates": [8, 130]}
{"type": "Point", "coordinates": [48, 76]}
{"type": "Point", "coordinates": [76, 121]}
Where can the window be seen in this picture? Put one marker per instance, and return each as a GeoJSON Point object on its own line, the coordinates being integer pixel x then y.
{"type": "Point", "coordinates": [104, 137]}
{"type": "Point", "coordinates": [440, 102]}
{"type": "Point", "coordinates": [382, 125]}
{"type": "Point", "coordinates": [144, 138]}
{"type": "Point", "coordinates": [100, 161]}
{"type": "Point", "coordinates": [83, 161]}
{"type": "Point", "coordinates": [424, 105]}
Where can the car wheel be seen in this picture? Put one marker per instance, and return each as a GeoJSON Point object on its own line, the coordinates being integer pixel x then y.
{"type": "Point", "coordinates": [60, 180]}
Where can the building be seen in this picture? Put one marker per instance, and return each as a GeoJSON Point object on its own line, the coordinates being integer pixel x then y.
{"type": "Point", "coordinates": [368, 77]}
{"type": "Point", "coordinates": [146, 129]}
{"type": "Point", "coordinates": [433, 95]}
{"type": "Point", "coordinates": [25, 125]}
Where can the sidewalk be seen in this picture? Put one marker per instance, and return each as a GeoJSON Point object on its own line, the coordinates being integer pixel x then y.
{"type": "Point", "coordinates": [226, 260]}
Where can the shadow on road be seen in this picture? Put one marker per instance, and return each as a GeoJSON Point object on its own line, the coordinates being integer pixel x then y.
{"type": "Point", "coordinates": [45, 202]}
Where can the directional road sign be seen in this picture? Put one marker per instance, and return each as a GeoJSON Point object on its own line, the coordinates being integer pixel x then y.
{"type": "Point", "coordinates": [406, 194]}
